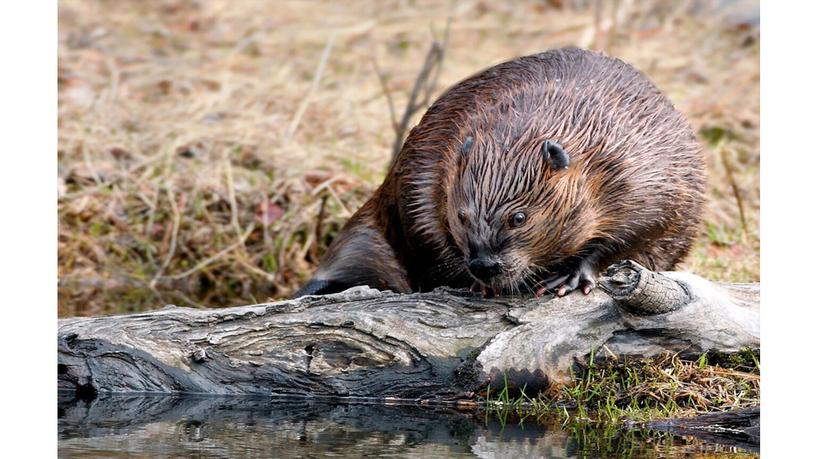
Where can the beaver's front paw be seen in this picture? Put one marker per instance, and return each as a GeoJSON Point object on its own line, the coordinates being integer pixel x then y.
{"type": "Point", "coordinates": [582, 276]}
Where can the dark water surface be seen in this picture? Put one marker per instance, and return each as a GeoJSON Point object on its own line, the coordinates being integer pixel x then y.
{"type": "Point", "coordinates": [161, 426]}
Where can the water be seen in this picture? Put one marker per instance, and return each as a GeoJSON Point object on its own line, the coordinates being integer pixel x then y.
{"type": "Point", "coordinates": [221, 427]}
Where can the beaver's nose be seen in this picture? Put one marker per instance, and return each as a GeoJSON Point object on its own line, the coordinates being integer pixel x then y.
{"type": "Point", "coordinates": [484, 268]}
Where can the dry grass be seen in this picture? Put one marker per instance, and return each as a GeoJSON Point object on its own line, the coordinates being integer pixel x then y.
{"type": "Point", "coordinates": [201, 162]}
{"type": "Point", "coordinates": [667, 386]}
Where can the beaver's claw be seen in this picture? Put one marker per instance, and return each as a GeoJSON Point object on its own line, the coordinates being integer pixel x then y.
{"type": "Point", "coordinates": [583, 277]}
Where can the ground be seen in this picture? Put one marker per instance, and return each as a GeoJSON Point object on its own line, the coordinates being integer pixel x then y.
{"type": "Point", "coordinates": [209, 150]}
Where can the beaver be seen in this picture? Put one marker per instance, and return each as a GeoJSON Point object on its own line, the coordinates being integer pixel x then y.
{"type": "Point", "coordinates": [530, 176]}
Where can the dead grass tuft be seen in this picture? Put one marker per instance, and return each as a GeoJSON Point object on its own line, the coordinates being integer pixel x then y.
{"type": "Point", "coordinates": [615, 390]}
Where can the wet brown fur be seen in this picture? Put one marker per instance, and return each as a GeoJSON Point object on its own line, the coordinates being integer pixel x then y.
{"type": "Point", "coordinates": [633, 189]}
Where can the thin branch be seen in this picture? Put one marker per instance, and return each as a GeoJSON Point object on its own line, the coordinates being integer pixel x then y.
{"type": "Point", "coordinates": [729, 172]}
{"type": "Point", "coordinates": [598, 26]}
{"type": "Point", "coordinates": [173, 238]}
{"type": "Point", "coordinates": [429, 89]}
{"type": "Point", "coordinates": [231, 194]}
{"type": "Point", "coordinates": [152, 212]}
{"type": "Point", "coordinates": [422, 91]}
{"type": "Point", "coordinates": [312, 90]}
{"type": "Point", "coordinates": [270, 277]}
{"type": "Point", "coordinates": [318, 232]}
{"type": "Point", "coordinates": [204, 263]}
{"type": "Point", "coordinates": [86, 158]}
{"type": "Point", "coordinates": [391, 109]}
{"type": "Point", "coordinates": [267, 240]}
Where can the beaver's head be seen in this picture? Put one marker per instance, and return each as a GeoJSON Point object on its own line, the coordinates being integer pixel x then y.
{"type": "Point", "coordinates": [514, 212]}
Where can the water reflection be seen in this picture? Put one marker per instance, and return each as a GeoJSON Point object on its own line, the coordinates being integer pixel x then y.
{"type": "Point", "coordinates": [159, 426]}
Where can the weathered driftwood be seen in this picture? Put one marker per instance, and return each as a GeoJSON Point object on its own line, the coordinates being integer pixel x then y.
{"type": "Point", "coordinates": [442, 345]}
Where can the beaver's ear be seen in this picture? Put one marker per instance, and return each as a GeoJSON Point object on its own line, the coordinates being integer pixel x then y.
{"type": "Point", "coordinates": [466, 145]}
{"type": "Point", "coordinates": [555, 155]}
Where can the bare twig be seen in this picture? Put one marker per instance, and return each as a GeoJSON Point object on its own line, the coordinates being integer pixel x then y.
{"type": "Point", "coordinates": [313, 89]}
{"type": "Point", "coordinates": [173, 238]}
{"type": "Point", "coordinates": [270, 277]}
{"type": "Point", "coordinates": [424, 87]}
{"type": "Point", "coordinates": [152, 212]}
{"type": "Point", "coordinates": [204, 263]}
{"type": "Point", "coordinates": [231, 195]}
{"type": "Point", "coordinates": [437, 70]}
{"type": "Point", "coordinates": [598, 25]}
{"type": "Point", "coordinates": [391, 109]}
{"type": "Point", "coordinates": [318, 232]}
{"type": "Point", "coordinates": [345, 212]}
{"type": "Point", "coordinates": [89, 164]}
{"type": "Point", "coordinates": [265, 218]}
{"type": "Point", "coordinates": [115, 76]}
{"type": "Point", "coordinates": [729, 172]}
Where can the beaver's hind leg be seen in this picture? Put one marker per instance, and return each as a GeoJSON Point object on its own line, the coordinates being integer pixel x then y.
{"type": "Point", "coordinates": [359, 256]}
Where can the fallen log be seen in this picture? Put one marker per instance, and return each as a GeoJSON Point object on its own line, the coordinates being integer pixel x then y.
{"type": "Point", "coordinates": [442, 345]}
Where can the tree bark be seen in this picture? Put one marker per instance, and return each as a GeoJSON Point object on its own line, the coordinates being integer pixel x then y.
{"type": "Point", "coordinates": [439, 346]}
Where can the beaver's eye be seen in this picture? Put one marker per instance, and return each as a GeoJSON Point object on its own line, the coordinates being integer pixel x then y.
{"type": "Point", "coordinates": [518, 219]}
{"type": "Point", "coordinates": [462, 215]}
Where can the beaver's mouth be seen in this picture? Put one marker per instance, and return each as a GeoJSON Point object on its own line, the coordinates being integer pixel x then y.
{"type": "Point", "coordinates": [508, 282]}
{"type": "Point", "coordinates": [519, 279]}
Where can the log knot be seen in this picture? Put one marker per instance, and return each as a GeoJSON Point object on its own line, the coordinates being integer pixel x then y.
{"type": "Point", "coordinates": [642, 291]}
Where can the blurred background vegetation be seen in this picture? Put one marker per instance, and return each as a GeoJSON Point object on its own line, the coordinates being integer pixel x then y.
{"type": "Point", "coordinates": [210, 150]}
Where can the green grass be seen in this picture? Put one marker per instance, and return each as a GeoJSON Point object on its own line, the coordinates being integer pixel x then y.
{"type": "Point", "coordinates": [611, 392]}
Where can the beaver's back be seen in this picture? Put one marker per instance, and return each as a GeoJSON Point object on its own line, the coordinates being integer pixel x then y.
{"type": "Point", "coordinates": [633, 188]}
{"type": "Point", "coordinates": [638, 159]}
